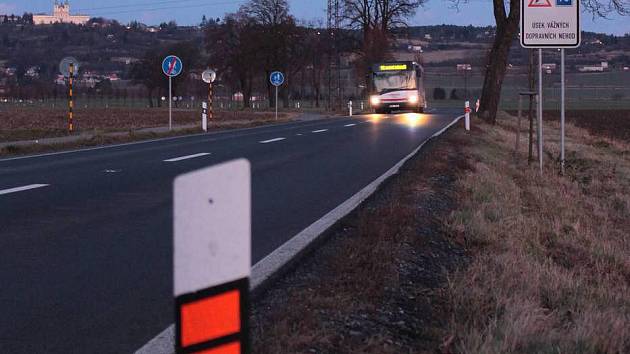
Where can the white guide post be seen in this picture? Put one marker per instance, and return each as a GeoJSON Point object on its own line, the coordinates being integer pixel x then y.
{"type": "Point", "coordinates": [467, 115]}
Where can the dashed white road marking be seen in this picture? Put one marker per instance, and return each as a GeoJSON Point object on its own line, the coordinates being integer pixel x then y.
{"type": "Point", "coordinates": [22, 189]}
{"type": "Point", "coordinates": [319, 131]}
{"type": "Point", "coordinates": [112, 171]}
{"type": "Point", "coordinates": [272, 140]}
{"type": "Point", "coordinates": [176, 159]}
{"type": "Point", "coordinates": [299, 134]}
{"type": "Point", "coordinates": [350, 125]}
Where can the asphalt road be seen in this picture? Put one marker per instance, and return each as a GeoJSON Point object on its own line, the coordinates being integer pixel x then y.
{"type": "Point", "coordinates": [86, 240]}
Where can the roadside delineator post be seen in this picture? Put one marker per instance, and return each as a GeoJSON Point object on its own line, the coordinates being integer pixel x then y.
{"type": "Point", "coordinates": [212, 259]}
{"type": "Point", "coordinates": [467, 111]}
{"type": "Point", "coordinates": [204, 116]}
{"type": "Point", "coordinates": [350, 108]}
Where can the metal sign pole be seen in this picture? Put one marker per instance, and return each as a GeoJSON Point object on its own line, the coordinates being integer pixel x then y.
{"type": "Point", "coordinates": [210, 103]}
{"type": "Point", "coordinates": [276, 102]}
{"type": "Point", "coordinates": [540, 111]}
{"type": "Point", "coordinates": [562, 109]}
{"type": "Point", "coordinates": [170, 103]}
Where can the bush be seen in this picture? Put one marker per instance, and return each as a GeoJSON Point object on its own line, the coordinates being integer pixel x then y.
{"type": "Point", "coordinates": [457, 94]}
{"type": "Point", "coordinates": [439, 93]}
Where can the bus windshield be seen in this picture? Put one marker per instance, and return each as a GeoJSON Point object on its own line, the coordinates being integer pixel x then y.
{"type": "Point", "coordinates": [394, 81]}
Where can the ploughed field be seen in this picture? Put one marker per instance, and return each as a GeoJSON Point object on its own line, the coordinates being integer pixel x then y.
{"type": "Point", "coordinates": [613, 124]}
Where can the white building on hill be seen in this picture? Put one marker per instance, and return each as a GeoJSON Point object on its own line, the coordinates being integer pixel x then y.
{"type": "Point", "coordinates": [61, 14]}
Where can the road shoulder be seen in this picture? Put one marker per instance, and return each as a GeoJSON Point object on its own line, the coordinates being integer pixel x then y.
{"type": "Point", "coordinates": [374, 286]}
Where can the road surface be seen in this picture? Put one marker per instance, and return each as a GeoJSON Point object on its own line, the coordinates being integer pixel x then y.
{"type": "Point", "coordinates": [86, 241]}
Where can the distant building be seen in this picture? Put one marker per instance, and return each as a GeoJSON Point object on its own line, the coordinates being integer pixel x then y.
{"type": "Point", "coordinates": [603, 66]}
{"type": "Point", "coordinates": [591, 69]}
{"type": "Point", "coordinates": [125, 60]}
{"type": "Point", "coordinates": [9, 19]}
{"type": "Point", "coordinates": [61, 14]}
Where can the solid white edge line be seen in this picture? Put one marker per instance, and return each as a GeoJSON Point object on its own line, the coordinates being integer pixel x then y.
{"type": "Point", "coordinates": [319, 131]}
{"type": "Point", "coordinates": [272, 140]}
{"type": "Point", "coordinates": [164, 343]}
{"type": "Point", "coordinates": [182, 158]}
{"type": "Point", "coordinates": [22, 189]}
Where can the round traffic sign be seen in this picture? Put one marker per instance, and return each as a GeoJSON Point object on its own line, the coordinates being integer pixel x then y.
{"type": "Point", "coordinates": [64, 66]}
{"type": "Point", "coordinates": [209, 76]}
{"type": "Point", "coordinates": [172, 66]}
{"type": "Point", "coordinates": [276, 78]}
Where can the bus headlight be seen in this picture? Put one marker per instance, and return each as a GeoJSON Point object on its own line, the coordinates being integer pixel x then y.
{"type": "Point", "coordinates": [413, 99]}
{"type": "Point", "coordinates": [375, 100]}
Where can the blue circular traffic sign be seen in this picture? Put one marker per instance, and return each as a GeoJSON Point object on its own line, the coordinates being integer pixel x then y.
{"type": "Point", "coordinates": [172, 66]}
{"type": "Point", "coordinates": [276, 78]}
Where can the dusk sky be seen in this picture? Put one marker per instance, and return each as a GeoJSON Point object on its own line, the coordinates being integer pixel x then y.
{"type": "Point", "coordinates": [476, 12]}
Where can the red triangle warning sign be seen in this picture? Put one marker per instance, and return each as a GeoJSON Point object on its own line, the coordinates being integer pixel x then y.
{"type": "Point", "coordinates": [539, 3]}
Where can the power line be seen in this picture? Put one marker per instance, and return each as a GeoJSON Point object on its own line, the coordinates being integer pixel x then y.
{"type": "Point", "coordinates": [167, 8]}
{"type": "Point", "coordinates": [153, 3]}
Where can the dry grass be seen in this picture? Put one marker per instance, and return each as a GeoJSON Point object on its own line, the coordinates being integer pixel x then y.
{"type": "Point", "coordinates": [36, 123]}
{"type": "Point", "coordinates": [551, 255]}
{"type": "Point", "coordinates": [99, 138]}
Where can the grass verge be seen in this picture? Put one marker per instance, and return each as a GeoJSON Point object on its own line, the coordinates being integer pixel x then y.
{"type": "Point", "coordinates": [550, 270]}
{"type": "Point", "coordinates": [101, 138]}
{"type": "Point", "coordinates": [38, 123]}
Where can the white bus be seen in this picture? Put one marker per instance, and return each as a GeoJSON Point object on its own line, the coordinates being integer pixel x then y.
{"type": "Point", "coordinates": [397, 86]}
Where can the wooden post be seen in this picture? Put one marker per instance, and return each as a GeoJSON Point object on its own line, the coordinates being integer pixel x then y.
{"type": "Point", "coordinates": [518, 127]}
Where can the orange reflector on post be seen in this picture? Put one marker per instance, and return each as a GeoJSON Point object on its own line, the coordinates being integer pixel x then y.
{"type": "Point", "coordinates": [210, 318]}
{"type": "Point", "coordinates": [213, 320]}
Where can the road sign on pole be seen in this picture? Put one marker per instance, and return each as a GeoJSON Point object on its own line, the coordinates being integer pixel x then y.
{"type": "Point", "coordinates": [277, 79]}
{"type": "Point", "coordinates": [172, 66]}
{"type": "Point", "coordinates": [550, 23]}
{"type": "Point", "coordinates": [64, 66]}
{"type": "Point", "coordinates": [69, 68]}
{"type": "Point", "coordinates": [212, 259]}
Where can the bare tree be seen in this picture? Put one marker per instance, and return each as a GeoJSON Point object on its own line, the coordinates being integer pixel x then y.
{"type": "Point", "coordinates": [233, 48]}
{"type": "Point", "coordinates": [276, 30]}
{"type": "Point", "coordinates": [375, 19]}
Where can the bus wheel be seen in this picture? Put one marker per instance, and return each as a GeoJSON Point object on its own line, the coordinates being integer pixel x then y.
{"type": "Point", "coordinates": [420, 110]}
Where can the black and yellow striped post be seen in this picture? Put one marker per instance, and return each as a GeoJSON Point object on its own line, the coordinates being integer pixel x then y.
{"type": "Point", "coordinates": [70, 100]}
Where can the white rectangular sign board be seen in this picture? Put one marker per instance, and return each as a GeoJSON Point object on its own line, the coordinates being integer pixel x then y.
{"type": "Point", "coordinates": [212, 221]}
{"type": "Point", "coordinates": [550, 23]}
